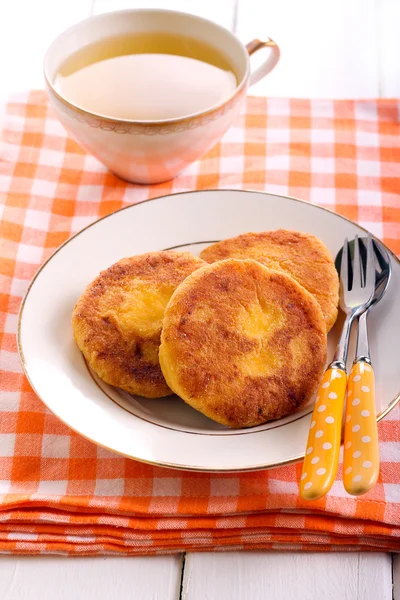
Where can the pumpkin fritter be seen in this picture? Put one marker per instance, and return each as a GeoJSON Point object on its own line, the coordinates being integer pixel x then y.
{"type": "Point", "coordinates": [301, 255]}
{"type": "Point", "coordinates": [117, 321]}
{"type": "Point", "coordinates": [242, 343]}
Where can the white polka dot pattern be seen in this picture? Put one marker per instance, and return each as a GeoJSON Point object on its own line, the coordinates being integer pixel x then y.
{"type": "Point", "coordinates": [361, 450]}
{"type": "Point", "coordinates": [320, 464]}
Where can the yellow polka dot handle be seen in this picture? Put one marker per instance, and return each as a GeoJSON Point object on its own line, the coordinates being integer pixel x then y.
{"type": "Point", "coordinates": [361, 448]}
{"type": "Point", "coordinates": [323, 445]}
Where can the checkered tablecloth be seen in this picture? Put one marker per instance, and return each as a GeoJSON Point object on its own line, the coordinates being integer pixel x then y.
{"type": "Point", "coordinates": [62, 494]}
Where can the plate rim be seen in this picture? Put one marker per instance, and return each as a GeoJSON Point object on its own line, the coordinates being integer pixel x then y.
{"type": "Point", "coordinates": [164, 464]}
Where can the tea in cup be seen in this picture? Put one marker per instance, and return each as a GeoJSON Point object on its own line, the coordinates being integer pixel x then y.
{"type": "Point", "coordinates": [149, 91]}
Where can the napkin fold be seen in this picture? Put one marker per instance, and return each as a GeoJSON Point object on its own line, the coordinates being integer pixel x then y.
{"type": "Point", "coordinates": [60, 493]}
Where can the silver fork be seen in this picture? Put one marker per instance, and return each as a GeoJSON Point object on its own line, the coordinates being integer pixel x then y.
{"type": "Point", "coordinates": [323, 444]}
{"type": "Point", "coordinates": [355, 294]}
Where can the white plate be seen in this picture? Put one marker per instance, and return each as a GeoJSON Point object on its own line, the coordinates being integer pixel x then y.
{"type": "Point", "coordinates": [167, 432]}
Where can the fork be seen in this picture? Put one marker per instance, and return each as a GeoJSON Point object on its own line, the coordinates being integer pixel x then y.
{"type": "Point", "coordinates": [323, 444]}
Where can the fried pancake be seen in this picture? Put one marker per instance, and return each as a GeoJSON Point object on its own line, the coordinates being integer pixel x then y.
{"type": "Point", "coordinates": [301, 255]}
{"type": "Point", "coordinates": [242, 343]}
{"type": "Point", "coordinates": [117, 321]}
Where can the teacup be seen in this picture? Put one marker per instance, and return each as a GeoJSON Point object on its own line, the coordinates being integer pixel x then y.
{"type": "Point", "coordinates": [153, 151]}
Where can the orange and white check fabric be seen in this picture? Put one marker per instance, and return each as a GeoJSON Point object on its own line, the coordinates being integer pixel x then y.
{"type": "Point", "coordinates": [62, 494]}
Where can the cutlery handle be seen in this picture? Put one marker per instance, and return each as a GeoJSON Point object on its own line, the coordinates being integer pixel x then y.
{"type": "Point", "coordinates": [323, 445]}
{"type": "Point", "coordinates": [361, 448]}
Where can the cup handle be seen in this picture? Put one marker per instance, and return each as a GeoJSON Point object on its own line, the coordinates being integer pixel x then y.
{"type": "Point", "coordinates": [267, 65]}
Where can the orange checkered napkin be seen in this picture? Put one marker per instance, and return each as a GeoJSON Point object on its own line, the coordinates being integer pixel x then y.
{"type": "Point", "coordinates": [60, 493]}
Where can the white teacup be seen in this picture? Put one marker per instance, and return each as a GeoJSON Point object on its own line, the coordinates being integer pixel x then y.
{"type": "Point", "coordinates": [153, 151]}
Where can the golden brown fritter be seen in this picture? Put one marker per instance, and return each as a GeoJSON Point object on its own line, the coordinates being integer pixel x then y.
{"type": "Point", "coordinates": [117, 321]}
{"type": "Point", "coordinates": [301, 255]}
{"type": "Point", "coordinates": [242, 343]}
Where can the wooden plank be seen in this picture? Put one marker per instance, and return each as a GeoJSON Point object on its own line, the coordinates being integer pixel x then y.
{"type": "Point", "coordinates": [396, 576]}
{"type": "Point", "coordinates": [59, 578]}
{"type": "Point", "coordinates": [220, 11]}
{"type": "Point", "coordinates": [27, 28]}
{"type": "Point", "coordinates": [389, 47]}
{"type": "Point", "coordinates": [280, 576]}
{"type": "Point", "coordinates": [328, 49]}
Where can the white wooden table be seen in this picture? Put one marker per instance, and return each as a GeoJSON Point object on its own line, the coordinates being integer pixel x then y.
{"type": "Point", "coordinates": [331, 49]}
